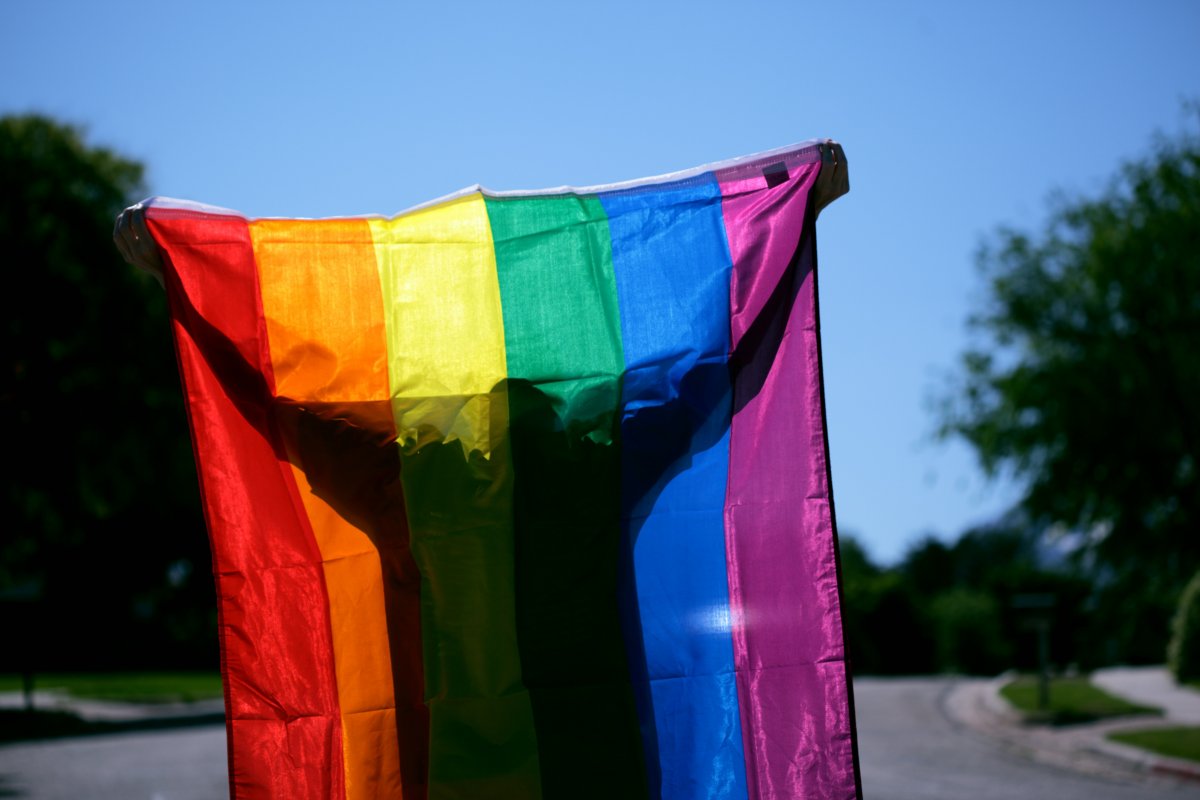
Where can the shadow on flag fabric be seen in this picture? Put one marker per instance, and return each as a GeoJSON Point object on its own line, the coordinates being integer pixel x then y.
{"type": "Point", "coordinates": [523, 495]}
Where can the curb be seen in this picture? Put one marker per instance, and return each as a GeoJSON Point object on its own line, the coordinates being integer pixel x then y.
{"type": "Point", "coordinates": [1147, 760]}
{"type": "Point", "coordinates": [115, 716]}
{"type": "Point", "coordinates": [976, 704]}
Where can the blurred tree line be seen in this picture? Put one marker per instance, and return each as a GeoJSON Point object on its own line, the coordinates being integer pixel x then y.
{"type": "Point", "coordinates": [953, 607]}
{"type": "Point", "coordinates": [103, 559]}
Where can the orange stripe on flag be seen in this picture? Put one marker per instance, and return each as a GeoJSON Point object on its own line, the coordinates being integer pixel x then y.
{"type": "Point", "coordinates": [323, 307]}
{"type": "Point", "coordinates": [325, 325]}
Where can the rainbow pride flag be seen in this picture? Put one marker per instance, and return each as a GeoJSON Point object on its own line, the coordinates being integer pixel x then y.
{"type": "Point", "coordinates": [523, 495]}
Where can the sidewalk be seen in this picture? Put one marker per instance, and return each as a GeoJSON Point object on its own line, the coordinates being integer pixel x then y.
{"type": "Point", "coordinates": [1151, 686]}
{"type": "Point", "coordinates": [132, 715]}
{"type": "Point", "coordinates": [977, 704]}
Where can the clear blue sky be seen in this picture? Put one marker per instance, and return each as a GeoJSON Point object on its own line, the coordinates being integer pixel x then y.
{"type": "Point", "coordinates": [956, 117]}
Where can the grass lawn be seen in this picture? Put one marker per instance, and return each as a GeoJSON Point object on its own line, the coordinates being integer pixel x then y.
{"type": "Point", "coordinates": [1182, 742]}
{"type": "Point", "coordinates": [1071, 700]}
{"type": "Point", "coordinates": [130, 687]}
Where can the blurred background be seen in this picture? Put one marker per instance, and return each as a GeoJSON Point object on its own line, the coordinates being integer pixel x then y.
{"type": "Point", "coordinates": [1010, 292]}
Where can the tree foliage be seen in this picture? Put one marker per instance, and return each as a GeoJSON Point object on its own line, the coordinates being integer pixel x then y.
{"type": "Point", "coordinates": [1183, 655]}
{"type": "Point", "coordinates": [885, 629]}
{"type": "Point", "coordinates": [1086, 374]}
{"type": "Point", "coordinates": [101, 509]}
{"type": "Point", "coordinates": [949, 607]}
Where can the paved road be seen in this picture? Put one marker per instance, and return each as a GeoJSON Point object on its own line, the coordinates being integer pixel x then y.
{"type": "Point", "coordinates": [908, 747]}
{"type": "Point", "coordinates": [181, 764]}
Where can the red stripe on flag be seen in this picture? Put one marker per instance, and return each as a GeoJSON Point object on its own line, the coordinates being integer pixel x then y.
{"type": "Point", "coordinates": [276, 648]}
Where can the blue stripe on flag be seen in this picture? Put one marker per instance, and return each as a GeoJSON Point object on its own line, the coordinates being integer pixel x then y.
{"type": "Point", "coordinates": [672, 266]}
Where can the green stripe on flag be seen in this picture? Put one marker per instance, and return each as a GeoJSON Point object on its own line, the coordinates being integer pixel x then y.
{"type": "Point", "coordinates": [563, 345]}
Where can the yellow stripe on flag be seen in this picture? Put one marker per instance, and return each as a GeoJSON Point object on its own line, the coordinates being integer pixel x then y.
{"type": "Point", "coordinates": [447, 358]}
{"type": "Point", "coordinates": [448, 374]}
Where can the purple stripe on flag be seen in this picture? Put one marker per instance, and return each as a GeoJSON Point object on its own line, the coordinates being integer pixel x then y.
{"type": "Point", "coordinates": [788, 646]}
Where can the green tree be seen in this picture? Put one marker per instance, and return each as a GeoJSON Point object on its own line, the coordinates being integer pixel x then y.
{"type": "Point", "coordinates": [1183, 655]}
{"type": "Point", "coordinates": [969, 633]}
{"type": "Point", "coordinates": [885, 632]}
{"type": "Point", "coordinates": [1086, 373]}
{"type": "Point", "coordinates": [100, 501]}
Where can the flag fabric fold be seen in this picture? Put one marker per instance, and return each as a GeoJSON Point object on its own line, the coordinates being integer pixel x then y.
{"type": "Point", "coordinates": [523, 495]}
